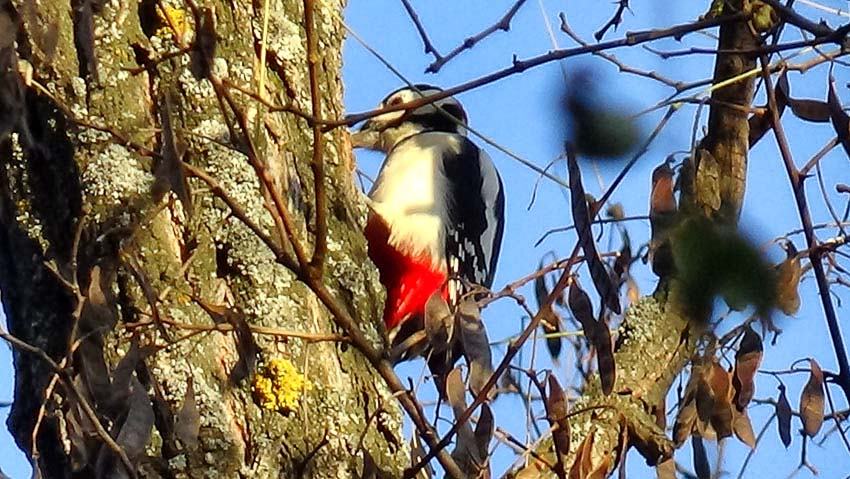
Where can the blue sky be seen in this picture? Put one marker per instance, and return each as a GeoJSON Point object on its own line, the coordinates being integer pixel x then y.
{"type": "Point", "coordinates": [521, 114]}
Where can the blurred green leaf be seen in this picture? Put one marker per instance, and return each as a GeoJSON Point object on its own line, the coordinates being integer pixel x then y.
{"type": "Point", "coordinates": [714, 260]}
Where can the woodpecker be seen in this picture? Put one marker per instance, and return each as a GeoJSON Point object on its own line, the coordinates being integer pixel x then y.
{"type": "Point", "coordinates": [437, 209]}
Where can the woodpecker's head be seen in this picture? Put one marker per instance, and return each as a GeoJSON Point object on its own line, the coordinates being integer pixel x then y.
{"type": "Point", "coordinates": [384, 131]}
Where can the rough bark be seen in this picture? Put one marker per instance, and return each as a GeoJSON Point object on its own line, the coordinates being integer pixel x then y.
{"type": "Point", "coordinates": [84, 151]}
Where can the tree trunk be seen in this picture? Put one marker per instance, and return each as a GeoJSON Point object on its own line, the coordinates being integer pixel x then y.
{"type": "Point", "coordinates": [105, 254]}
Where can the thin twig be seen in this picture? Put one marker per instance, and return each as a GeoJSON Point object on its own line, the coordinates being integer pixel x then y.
{"type": "Point", "coordinates": [837, 418]}
{"type": "Point", "coordinates": [317, 164]}
{"type": "Point", "coordinates": [504, 24]}
{"type": "Point", "coordinates": [274, 108]}
{"type": "Point", "coordinates": [429, 47]}
{"type": "Point", "coordinates": [279, 209]}
{"type": "Point", "coordinates": [678, 85]}
{"type": "Point", "coordinates": [263, 330]}
{"type": "Point", "coordinates": [804, 171]}
{"type": "Point", "coordinates": [281, 255]}
{"type": "Point", "coordinates": [519, 66]}
{"type": "Point", "coordinates": [600, 221]}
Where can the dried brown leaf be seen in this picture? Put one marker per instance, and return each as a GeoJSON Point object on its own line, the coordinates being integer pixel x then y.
{"type": "Point", "coordinates": [812, 401]}
{"type": "Point", "coordinates": [136, 430]}
{"type": "Point", "coordinates": [685, 421]}
{"type": "Point", "coordinates": [97, 317]}
{"type": "Point", "coordinates": [747, 361]}
{"type": "Point", "coordinates": [582, 310]}
{"type": "Point", "coordinates": [783, 417]}
{"type": "Point", "coordinates": [93, 370]}
{"type": "Point", "coordinates": [605, 357]}
{"type": "Point", "coordinates": [556, 413]}
{"type": "Point", "coordinates": [370, 469]}
{"type": "Point", "coordinates": [204, 44]}
{"type": "Point", "coordinates": [133, 435]}
{"type": "Point", "coordinates": [456, 391]}
{"type": "Point", "coordinates": [187, 423]}
{"type": "Point", "coordinates": [98, 314]}
{"type": "Point", "coordinates": [840, 120]}
{"type": "Point", "coordinates": [688, 414]}
{"type": "Point", "coordinates": [720, 382]}
{"type": "Point", "coordinates": [760, 123]}
{"type": "Point", "coordinates": [169, 173]}
{"type": "Point", "coordinates": [788, 274]}
{"type": "Point", "coordinates": [744, 428]}
{"type": "Point", "coordinates": [581, 220]}
{"type": "Point", "coordinates": [623, 261]}
{"type": "Point", "coordinates": [602, 468]}
{"type": "Point", "coordinates": [484, 432]}
{"type": "Point", "coordinates": [439, 323]}
{"type": "Point", "coordinates": [550, 321]}
{"type": "Point", "coordinates": [245, 346]}
{"type": "Point", "coordinates": [470, 444]}
{"type": "Point", "coordinates": [164, 422]}
{"type": "Point", "coordinates": [583, 460]}
{"type": "Point", "coordinates": [122, 376]}
{"type": "Point", "coordinates": [810, 110]}
{"type": "Point", "coordinates": [476, 345]}
{"type": "Point", "coordinates": [77, 435]}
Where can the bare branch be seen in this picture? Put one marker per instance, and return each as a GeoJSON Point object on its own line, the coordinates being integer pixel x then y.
{"type": "Point", "coordinates": [504, 24]}
{"type": "Point", "coordinates": [519, 66]}
{"type": "Point", "coordinates": [429, 47]}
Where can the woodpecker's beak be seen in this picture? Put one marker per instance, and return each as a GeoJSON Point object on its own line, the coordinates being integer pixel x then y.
{"type": "Point", "coordinates": [367, 136]}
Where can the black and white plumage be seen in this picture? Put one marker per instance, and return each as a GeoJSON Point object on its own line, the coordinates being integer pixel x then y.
{"type": "Point", "coordinates": [438, 206]}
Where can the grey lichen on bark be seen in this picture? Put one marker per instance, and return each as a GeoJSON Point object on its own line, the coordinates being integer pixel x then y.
{"type": "Point", "coordinates": [209, 256]}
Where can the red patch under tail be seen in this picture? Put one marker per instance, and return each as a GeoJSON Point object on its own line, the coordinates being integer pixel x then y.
{"type": "Point", "coordinates": [409, 281]}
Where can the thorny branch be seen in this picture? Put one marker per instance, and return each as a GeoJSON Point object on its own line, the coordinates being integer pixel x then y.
{"type": "Point", "coordinates": [615, 20]}
{"type": "Point", "coordinates": [815, 253]}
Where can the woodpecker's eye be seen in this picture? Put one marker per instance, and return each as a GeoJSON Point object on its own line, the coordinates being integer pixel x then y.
{"type": "Point", "coordinates": [395, 101]}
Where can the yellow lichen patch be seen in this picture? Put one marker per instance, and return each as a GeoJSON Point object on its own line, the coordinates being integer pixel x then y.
{"type": "Point", "coordinates": [173, 20]}
{"type": "Point", "coordinates": [278, 386]}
